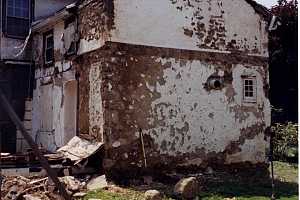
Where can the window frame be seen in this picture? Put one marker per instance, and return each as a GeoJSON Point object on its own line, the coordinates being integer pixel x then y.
{"type": "Point", "coordinates": [47, 35]}
{"type": "Point", "coordinates": [246, 98]}
{"type": "Point", "coordinates": [7, 33]}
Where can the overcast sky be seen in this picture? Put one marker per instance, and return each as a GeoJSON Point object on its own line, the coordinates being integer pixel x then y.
{"type": "Point", "coordinates": [267, 3]}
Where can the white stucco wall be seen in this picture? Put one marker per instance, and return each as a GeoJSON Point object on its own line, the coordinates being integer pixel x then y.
{"type": "Point", "coordinates": [162, 22]}
{"type": "Point", "coordinates": [193, 118]}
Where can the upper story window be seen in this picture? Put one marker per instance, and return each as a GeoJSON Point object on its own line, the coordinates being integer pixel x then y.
{"type": "Point", "coordinates": [17, 18]}
{"type": "Point", "coordinates": [48, 48]}
{"type": "Point", "coordinates": [249, 89]}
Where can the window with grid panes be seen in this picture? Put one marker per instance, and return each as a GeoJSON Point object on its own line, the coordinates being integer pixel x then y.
{"type": "Point", "coordinates": [17, 18]}
{"type": "Point", "coordinates": [249, 89]}
{"type": "Point", "coordinates": [48, 48]}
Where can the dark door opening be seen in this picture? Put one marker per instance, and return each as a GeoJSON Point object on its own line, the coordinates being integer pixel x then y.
{"type": "Point", "coordinates": [14, 82]}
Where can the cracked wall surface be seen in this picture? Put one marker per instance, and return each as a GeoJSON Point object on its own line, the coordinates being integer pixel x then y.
{"type": "Point", "coordinates": [162, 91]}
{"type": "Point", "coordinates": [193, 24]}
{"type": "Point", "coordinates": [55, 93]}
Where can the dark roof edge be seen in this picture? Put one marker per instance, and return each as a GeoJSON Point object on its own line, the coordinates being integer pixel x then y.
{"type": "Point", "coordinates": [260, 9]}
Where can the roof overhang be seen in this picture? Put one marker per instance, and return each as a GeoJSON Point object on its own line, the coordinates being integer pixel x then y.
{"type": "Point", "coordinates": [43, 24]}
{"type": "Point", "coordinates": [261, 10]}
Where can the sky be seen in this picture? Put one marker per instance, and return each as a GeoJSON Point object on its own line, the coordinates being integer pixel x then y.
{"type": "Point", "coordinates": [267, 3]}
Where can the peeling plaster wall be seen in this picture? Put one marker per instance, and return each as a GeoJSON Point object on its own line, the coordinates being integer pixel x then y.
{"type": "Point", "coordinates": [190, 118]}
{"type": "Point", "coordinates": [93, 25]}
{"type": "Point", "coordinates": [95, 102]}
{"type": "Point", "coordinates": [211, 24]}
{"type": "Point", "coordinates": [54, 110]}
{"type": "Point", "coordinates": [61, 88]}
{"type": "Point", "coordinates": [161, 89]}
{"type": "Point", "coordinates": [162, 92]}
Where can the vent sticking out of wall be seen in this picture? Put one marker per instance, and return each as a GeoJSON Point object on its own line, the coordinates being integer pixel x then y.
{"type": "Point", "coordinates": [214, 83]}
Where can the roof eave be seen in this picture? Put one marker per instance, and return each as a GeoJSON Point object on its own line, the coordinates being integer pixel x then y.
{"type": "Point", "coordinates": [261, 10]}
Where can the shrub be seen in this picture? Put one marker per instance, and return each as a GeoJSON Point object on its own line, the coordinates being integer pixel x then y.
{"type": "Point", "coordinates": [285, 141]}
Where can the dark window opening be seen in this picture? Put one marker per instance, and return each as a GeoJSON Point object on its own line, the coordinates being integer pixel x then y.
{"type": "Point", "coordinates": [48, 48]}
{"type": "Point", "coordinates": [249, 89]}
{"type": "Point", "coordinates": [17, 18]}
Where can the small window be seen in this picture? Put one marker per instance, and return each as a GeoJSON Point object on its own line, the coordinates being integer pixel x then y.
{"type": "Point", "coordinates": [49, 48]}
{"type": "Point", "coordinates": [17, 18]}
{"type": "Point", "coordinates": [249, 89]}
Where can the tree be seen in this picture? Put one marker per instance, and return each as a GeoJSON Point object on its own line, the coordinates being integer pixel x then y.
{"type": "Point", "coordinates": [284, 62]}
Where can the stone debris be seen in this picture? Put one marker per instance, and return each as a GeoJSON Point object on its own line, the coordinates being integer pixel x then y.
{"type": "Point", "coordinates": [153, 195]}
{"type": "Point", "coordinates": [30, 197]}
{"type": "Point", "coordinates": [187, 188]}
{"type": "Point", "coordinates": [97, 183]}
{"type": "Point", "coordinates": [79, 195]}
{"type": "Point", "coordinates": [72, 184]}
{"type": "Point", "coordinates": [37, 188]}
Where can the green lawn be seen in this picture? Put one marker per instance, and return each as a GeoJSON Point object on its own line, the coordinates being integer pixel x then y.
{"type": "Point", "coordinates": [229, 188]}
{"type": "Point", "coordinates": [286, 186]}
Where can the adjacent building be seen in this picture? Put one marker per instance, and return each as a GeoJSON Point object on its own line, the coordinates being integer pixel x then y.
{"type": "Point", "coordinates": [17, 63]}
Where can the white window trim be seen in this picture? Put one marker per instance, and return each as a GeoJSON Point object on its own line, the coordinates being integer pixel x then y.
{"type": "Point", "coordinates": [250, 99]}
{"type": "Point", "coordinates": [45, 48]}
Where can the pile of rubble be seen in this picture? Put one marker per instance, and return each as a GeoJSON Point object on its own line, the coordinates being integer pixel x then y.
{"type": "Point", "coordinates": [20, 187]}
{"type": "Point", "coordinates": [74, 159]}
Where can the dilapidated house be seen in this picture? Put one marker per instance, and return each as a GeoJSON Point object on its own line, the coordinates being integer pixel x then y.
{"type": "Point", "coordinates": [161, 82]}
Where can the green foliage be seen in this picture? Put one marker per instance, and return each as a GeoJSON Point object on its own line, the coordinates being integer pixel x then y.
{"type": "Point", "coordinates": [283, 46]}
{"type": "Point", "coordinates": [242, 188]}
{"type": "Point", "coordinates": [285, 141]}
{"type": "Point", "coordinates": [107, 195]}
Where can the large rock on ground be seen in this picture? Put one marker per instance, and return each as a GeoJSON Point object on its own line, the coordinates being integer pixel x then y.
{"type": "Point", "coordinates": [30, 197]}
{"type": "Point", "coordinates": [97, 183]}
{"type": "Point", "coordinates": [187, 188]}
{"type": "Point", "coordinates": [153, 195]}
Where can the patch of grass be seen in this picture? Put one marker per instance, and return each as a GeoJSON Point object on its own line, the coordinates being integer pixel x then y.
{"type": "Point", "coordinates": [286, 172]}
{"type": "Point", "coordinates": [227, 188]}
{"type": "Point", "coordinates": [286, 186]}
{"type": "Point", "coordinates": [109, 195]}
